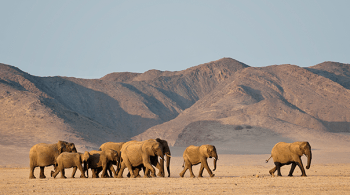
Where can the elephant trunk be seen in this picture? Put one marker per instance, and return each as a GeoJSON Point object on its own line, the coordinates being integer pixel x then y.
{"type": "Point", "coordinates": [168, 164]}
{"type": "Point", "coordinates": [309, 157]}
{"type": "Point", "coordinates": [86, 168]}
{"type": "Point", "coordinates": [215, 159]}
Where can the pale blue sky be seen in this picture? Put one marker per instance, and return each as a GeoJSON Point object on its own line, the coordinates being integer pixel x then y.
{"type": "Point", "coordinates": [89, 38]}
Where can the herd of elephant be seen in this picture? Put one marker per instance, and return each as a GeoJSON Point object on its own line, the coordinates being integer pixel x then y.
{"type": "Point", "coordinates": [137, 155]}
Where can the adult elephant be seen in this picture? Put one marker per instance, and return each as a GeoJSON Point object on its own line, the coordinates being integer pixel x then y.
{"type": "Point", "coordinates": [43, 155]}
{"type": "Point", "coordinates": [193, 155]}
{"type": "Point", "coordinates": [116, 146]}
{"type": "Point", "coordinates": [290, 153]}
{"type": "Point", "coordinates": [135, 153]}
{"type": "Point", "coordinates": [100, 161]}
{"type": "Point", "coordinates": [154, 160]}
{"type": "Point", "coordinates": [68, 160]}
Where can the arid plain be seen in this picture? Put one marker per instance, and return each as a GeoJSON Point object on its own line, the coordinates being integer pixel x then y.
{"type": "Point", "coordinates": [235, 174]}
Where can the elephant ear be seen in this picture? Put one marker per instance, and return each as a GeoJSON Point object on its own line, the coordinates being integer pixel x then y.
{"type": "Point", "coordinates": [304, 146]}
{"type": "Point", "coordinates": [60, 146]}
{"type": "Point", "coordinates": [154, 147]}
{"type": "Point", "coordinates": [86, 156]}
{"type": "Point", "coordinates": [296, 148]}
{"type": "Point", "coordinates": [208, 152]}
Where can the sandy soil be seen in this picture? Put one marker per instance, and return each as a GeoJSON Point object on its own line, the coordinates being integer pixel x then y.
{"type": "Point", "coordinates": [243, 174]}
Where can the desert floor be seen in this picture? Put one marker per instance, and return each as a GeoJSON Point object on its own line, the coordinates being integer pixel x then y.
{"type": "Point", "coordinates": [241, 174]}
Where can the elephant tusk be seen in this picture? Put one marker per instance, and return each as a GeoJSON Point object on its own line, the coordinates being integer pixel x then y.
{"type": "Point", "coordinates": [168, 155]}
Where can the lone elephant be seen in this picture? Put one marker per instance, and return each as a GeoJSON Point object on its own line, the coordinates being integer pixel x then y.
{"type": "Point", "coordinates": [68, 160]}
{"type": "Point", "coordinates": [100, 161]}
{"type": "Point", "coordinates": [43, 155]}
{"type": "Point", "coordinates": [290, 153]}
{"type": "Point", "coordinates": [135, 153]}
{"type": "Point", "coordinates": [193, 155]}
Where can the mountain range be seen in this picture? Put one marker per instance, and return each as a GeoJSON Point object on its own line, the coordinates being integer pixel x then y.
{"type": "Point", "coordinates": [239, 108]}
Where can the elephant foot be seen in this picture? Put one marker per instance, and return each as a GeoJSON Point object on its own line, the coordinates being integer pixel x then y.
{"type": "Point", "coordinates": [181, 175]}
{"type": "Point", "coordinates": [42, 176]}
{"type": "Point", "coordinates": [82, 176]}
{"type": "Point", "coordinates": [146, 176]}
{"type": "Point", "coordinates": [303, 175]}
{"type": "Point", "coordinates": [212, 175]}
{"type": "Point", "coordinates": [160, 175]}
{"type": "Point", "coordinates": [32, 177]}
{"type": "Point", "coordinates": [290, 175]}
{"type": "Point", "coordinates": [52, 173]}
{"type": "Point", "coordinates": [200, 175]}
{"type": "Point", "coordinates": [193, 176]}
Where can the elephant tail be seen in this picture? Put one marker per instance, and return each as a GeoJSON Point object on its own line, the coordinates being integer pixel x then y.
{"type": "Point", "coordinates": [183, 164]}
{"type": "Point", "coordinates": [268, 159]}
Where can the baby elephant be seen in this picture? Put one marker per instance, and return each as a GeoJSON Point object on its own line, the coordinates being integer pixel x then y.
{"type": "Point", "coordinates": [68, 160]}
{"type": "Point", "coordinates": [193, 155]}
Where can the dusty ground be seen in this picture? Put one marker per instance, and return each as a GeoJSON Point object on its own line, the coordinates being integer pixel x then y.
{"type": "Point", "coordinates": [243, 174]}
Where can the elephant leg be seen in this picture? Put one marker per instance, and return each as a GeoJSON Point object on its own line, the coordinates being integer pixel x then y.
{"type": "Point", "coordinates": [201, 171]}
{"type": "Point", "coordinates": [129, 166]}
{"type": "Point", "coordinates": [121, 170]}
{"type": "Point", "coordinates": [111, 170]}
{"type": "Point", "coordinates": [63, 173]}
{"type": "Point", "coordinates": [160, 168]}
{"type": "Point", "coordinates": [206, 166]}
{"type": "Point", "coordinates": [104, 170]}
{"type": "Point", "coordinates": [292, 169]}
{"type": "Point", "coordinates": [74, 171]}
{"type": "Point", "coordinates": [138, 169]}
{"type": "Point", "coordinates": [272, 171]}
{"type": "Point", "coordinates": [159, 165]}
{"type": "Point", "coordinates": [149, 167]}
{"type": "Point", "coordinates": [300, 164]}
{"type": "Point", "coordinates": [42, 175]}
{"type": "Point", "coordinates": [94, 173]}
{"type": "Point", "coordinates": [82, 173]}
{"type": "Point", "coordinates": [278, 167]}
{"type": "Point", "coordinates": [183, 172]}
{"type": "Point", "coordinates": [191, 171]}
{"type": "Point", "coordinates": [31, 172]}
{"type": "Point", "coordinates": [55, 173]}
{"type": "Point", "coordinates": [146, 171]}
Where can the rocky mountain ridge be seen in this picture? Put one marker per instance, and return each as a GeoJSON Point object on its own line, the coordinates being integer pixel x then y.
{"type": "Point", "coordinates": [243, 109]}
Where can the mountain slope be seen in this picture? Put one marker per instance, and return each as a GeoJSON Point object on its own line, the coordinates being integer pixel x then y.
{"type": "Point", "coordinates": [267, 105]}
{"type": "Point", "coordinates": [90, 112]}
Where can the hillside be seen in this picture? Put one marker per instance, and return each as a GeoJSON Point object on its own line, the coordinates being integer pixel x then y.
{"type": "Point", "coordinates": [262, 106]}
{"type": "Point", "coordinates": [240, 109]}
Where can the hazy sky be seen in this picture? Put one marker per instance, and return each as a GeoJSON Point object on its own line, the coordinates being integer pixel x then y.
{"type": "Point", "coordinates": [90, 38]}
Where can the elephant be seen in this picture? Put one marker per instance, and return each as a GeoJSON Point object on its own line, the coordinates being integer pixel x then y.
{"type": "Point", "coordinates": [100, 161]}
{"type": "Point", "coordinates": [154, 160]}
{"type": "Point", "coordinates": [290, 153]}
{"type": "Point", "coordinates": [68, 160]}
{"type": "Point", "coordinates": [116, 146]}
{"type": "Point", "coordinates": [135, 153]}
{"type": "Point", "coordinates": [43, 155]}
{"type": "Point", "coordinates": [193, 155]}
